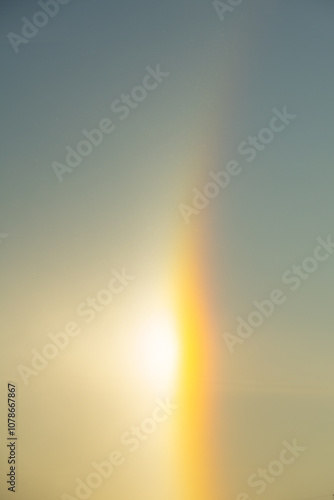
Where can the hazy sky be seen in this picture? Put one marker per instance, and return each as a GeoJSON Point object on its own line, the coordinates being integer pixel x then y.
{"type": "Point", "coordinates": [119, 209]}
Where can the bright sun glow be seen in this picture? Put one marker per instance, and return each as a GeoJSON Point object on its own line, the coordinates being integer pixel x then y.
{"type": "Point", "coordinates": [159, 351]}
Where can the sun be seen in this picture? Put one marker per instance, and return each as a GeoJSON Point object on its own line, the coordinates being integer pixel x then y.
{"type": "Point", "coordinates": [159, 351]}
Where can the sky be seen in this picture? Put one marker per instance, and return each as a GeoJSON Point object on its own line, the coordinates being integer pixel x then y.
{"type": "Point", "coordinates": [128, 218]}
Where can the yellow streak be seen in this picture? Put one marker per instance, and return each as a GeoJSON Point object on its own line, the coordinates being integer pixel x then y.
{"type": "Point", "coordinates": [195, 427]}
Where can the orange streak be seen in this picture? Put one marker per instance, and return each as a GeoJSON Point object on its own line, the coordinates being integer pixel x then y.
{"type": "Point", "coordinates": [196, 453]}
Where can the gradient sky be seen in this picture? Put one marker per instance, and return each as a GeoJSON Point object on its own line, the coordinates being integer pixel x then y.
{"type": "Point", "coordinates": [119, 209]}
